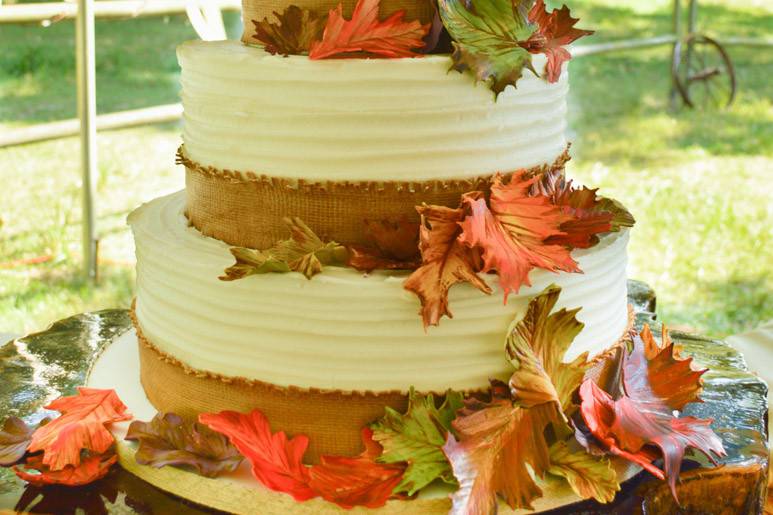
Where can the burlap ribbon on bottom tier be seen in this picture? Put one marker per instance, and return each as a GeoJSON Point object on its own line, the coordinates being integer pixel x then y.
{"type": "Point", "coordinates": [332, 419]}
{"type": "Point", "coordinates": [246, 209]}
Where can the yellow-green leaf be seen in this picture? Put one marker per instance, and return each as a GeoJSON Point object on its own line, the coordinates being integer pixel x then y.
{"type": "Point", "coordinates": [589, 476]}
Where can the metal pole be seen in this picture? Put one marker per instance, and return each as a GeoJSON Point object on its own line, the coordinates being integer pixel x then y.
{"type": "Point", "coordinates": [87, 113]}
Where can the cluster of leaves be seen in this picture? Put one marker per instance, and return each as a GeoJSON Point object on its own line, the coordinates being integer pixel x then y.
{"type": "Point", "coordinates": [73, 449]}
{"type": "Point", "coordinates": [530, 220]}
{"type": "Point", "coordinates": [494, 39]}
{"type": "Point", "coordinates": [301, 31]}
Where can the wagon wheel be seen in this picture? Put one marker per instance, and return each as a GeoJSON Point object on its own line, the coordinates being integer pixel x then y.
{"type": "Point", "coordinates": [702, 72]}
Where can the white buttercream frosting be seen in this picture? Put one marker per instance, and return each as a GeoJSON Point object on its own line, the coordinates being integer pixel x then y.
{"type": "Point", "coordinates": [361, 119]}
{"type": "Point", "coordinates": [343, 329]}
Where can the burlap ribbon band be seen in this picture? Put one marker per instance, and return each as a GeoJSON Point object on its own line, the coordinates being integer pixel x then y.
{"type": "Point", "coordinates": [332, 419]}
{"type": "Point", "coordinates": [259, 9]}
{"type": "Point", "coordinates": [247, 209]}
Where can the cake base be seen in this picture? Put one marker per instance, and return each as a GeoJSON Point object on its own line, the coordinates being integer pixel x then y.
{"type": "Point", "coordinates": [118, 368]}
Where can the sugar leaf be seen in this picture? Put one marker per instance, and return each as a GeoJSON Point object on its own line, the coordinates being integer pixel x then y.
{"type": "Point", "coordinates": [88, 470]}
{"type": "Point", "coordinates": [293, 34]}
{"type": "Point", "coordinates": [589, 476]}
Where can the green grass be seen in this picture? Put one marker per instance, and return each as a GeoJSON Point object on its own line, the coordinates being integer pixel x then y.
{"type": "Point", "coordinates": [698, 182]}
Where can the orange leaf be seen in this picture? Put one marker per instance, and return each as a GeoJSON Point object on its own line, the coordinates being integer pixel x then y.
{"type": "Point", "coordinates": [365, 33]}
{"type": "Point", "coordinates": [276, 461]}
{"type": "Point", "coordinates": [514, 230]}
{"type": "Point", "coordinates": [89, 470]}
{"type": "Point", "coordinates": [641, 422]}
{"type": "Point", "coordinates": [81, 426]}
{"type": "Point", "coordinates": [395, 247]}
{"type": "Point", "coordinates": [358, 481]}
{"type": "Point", "coordinates": [497, 439]}
{"type": "Point", "coordinates": [554, 30]}
{"type": "Point", "coordinates": [445, 261]}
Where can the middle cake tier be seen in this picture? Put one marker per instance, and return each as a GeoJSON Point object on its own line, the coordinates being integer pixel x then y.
{"type": "Point", "coordinates": [345, 330]}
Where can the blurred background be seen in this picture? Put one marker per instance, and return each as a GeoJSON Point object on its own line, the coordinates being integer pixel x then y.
{"type": "Point", "coordinates": [697, 180]}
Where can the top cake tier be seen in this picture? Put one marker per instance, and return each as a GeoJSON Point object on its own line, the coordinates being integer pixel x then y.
{"type": "Point", "coordinates": [361, 119]}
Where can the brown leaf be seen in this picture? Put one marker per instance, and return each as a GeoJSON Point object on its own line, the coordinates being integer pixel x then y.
{"type": "Point", "coordinates": [655, 383]}
{"type": "Point", "coordinates": [293, 35]}
{"type": "Point", "coordinates": [169, 440]}
{"type": "Point", "coordinates": [445, 262]}
{"type": "Point", "coordinates": [554, 30]}
{"type": "Point", "coordinates": [364, 33]}
{"type": "Point", "coordinates": [15, 436]}
{"type": "Point", "coordinates": [395, 247]}
{"type": "Point", "coordinates": [513, 229]}
{"type": "Point", "coordinates": [497, 439]}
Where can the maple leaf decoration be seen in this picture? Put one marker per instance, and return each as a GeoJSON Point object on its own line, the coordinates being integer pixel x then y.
{"type": "Point", "coordinates": [169, 440]}
{"type": "Point", "coordinates": [277, 463]}
{"type": "Point", "coordinates": [293, 35]}
{"type": "Point", "coordinates": [15, 437]}
{"type": "Point", "coordinates": [303, 252]}
{"type": "Point", "coordinates": [554, 30]}
{"type": "Point", "coordinates": [513, 229]}
{"type": "Point", "coordinates": [497, 438]}
{"type": "Point", "coordinates": [640, 425]}
{"type": "Point", "coordinates": [276, 460]}
{"type": "Point", "coordinates": [589, 476]}
{"type": "Point", "coordinates": [446, 261]}
{"type": "Point", "coordinates": [394, 247]}
{"type": "Point", "coordinates": [364, 33]}
{"type": "Point", "coordinates": [90, 469]}
{"type": "Point", "coordinates": [81, 426]}
{"type": "Point", "coordinates": [417, 438]}
{"type": "Point", "coordinates": [358, 481]}
{"type": "Point", "coordinates": [487, 36]}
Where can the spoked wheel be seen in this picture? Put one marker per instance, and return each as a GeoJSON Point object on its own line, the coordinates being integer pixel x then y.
{"type": "Point", "coordinates": [702, 72]}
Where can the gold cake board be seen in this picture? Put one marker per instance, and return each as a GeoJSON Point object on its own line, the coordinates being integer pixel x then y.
{"type": "Point", "coordinates": [239, 492]}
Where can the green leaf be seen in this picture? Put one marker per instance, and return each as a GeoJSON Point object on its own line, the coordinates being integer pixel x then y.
{"type": "Point", "coordinates": [621, 217]}
{"type": "Point", "coordinates": [303, 252]}
{"type": "Point", "coordinates": [589, 476]}
{"type": "Point", "coordinates": [417, 437]}
{"type": "Point", "coordinates": [487, 39]}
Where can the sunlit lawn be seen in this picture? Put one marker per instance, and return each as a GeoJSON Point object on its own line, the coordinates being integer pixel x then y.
{"type": "Point", "coordinates": [698, 182]}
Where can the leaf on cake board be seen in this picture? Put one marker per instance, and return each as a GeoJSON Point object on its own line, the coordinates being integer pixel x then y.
{"type": "Point", "coordinates": [496, 440]}
{"type": "Point", "coordinates": [591, 477]}
{"type": "Point", "coordinates": [512, 231]}
{"type": "Point", "coordinates": [293, 34]}
{"type": "Point", "coordinates": [15, 437]}
{"type": "Point", "coordinates": [446, 261]}
{"type": "Point", "coordinates": [417, 438]}
{"type": "Point", "coordinates": [356, 481]}
{"type": "Point", "coordinates": [276, 460]}
{"type": "Point", "coordinates": [88, 470]}
{"type": "Point", "coordinates": [303, 252]}
{"type": "Point", "coordinates": [641, 425]}
{"type": "Point", "coordinates": [169, 440]}
{"type": "Point", "coordinates": [394, 247]}
{"type": "Point", "coordinates": [487, 36]}
{"type": "Point", "coordinates": [554, 31]}
{"type": "Point", "coordinates": [81, 426]}
{"type": "Point", "coordinates": [364, 33]}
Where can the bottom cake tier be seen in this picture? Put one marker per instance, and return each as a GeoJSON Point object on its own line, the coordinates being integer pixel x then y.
{"type": "Point", "coordinates": [324, 356]}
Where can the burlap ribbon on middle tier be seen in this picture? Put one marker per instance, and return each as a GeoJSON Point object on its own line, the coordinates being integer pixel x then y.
{"type": "Point", "coordinates": [246, 209]}
{"type": "Point", "coordinates": [332, 419]}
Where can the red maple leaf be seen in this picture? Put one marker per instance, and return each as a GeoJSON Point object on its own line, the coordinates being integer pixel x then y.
{"type": "Point", "coordinates": [365, 33]}
{"type": "Point", "coordinates": [554, 30]}
{"type": "Point", "coordinates": [640, 425]}
{"type": "Point", "coordinates": [445, 261]}
{"type": "Point", "coordinates": [87, 471]}
{"type": "Point", "coordinates": [357, 481]}
{"type": "Point", "coordinates": [514, 230]}
{"type": "Point", "coordinates": [81, 426]}
{"type": "Point", "coordinates": [276, 461]}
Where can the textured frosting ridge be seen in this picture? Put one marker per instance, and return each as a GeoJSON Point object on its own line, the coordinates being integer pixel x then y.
{"type": "Point", "coordinates": [343, 330]}
{"type": "Point", "coordinates": [361, 119]}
